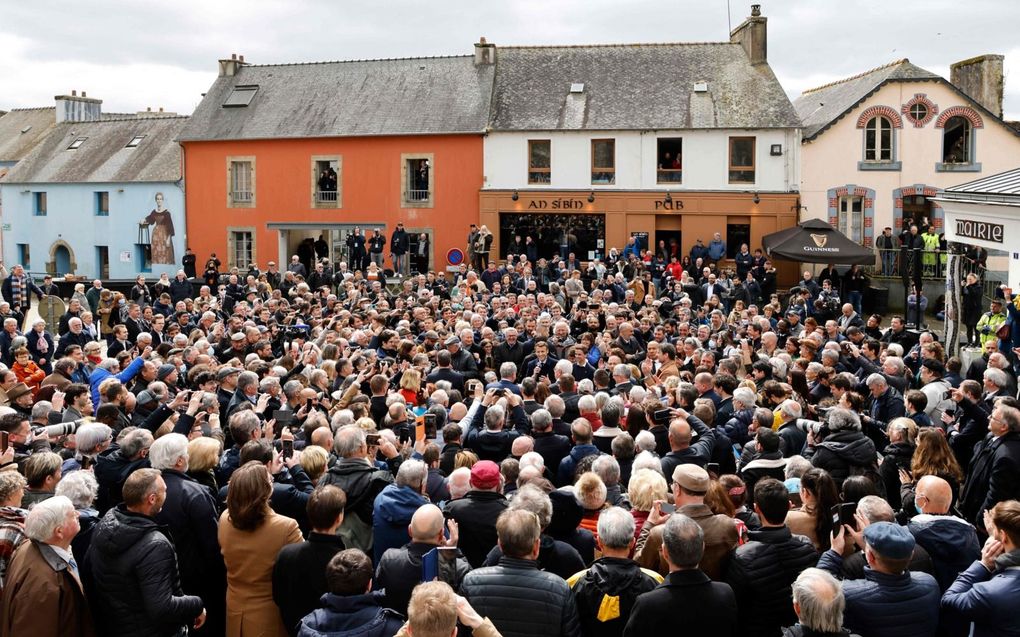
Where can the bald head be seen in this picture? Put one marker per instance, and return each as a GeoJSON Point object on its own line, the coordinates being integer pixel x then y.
{"type": "Point", "coordinates": [458, 412]}
{"type": "Point", "coordinates": [933, 495]}
{"type": "Point", "coordinates": [323, 437]}
{"type": "Point", "coordinates": [521, 446]}
{"type": "Point", "coordinates": [426, 524]}
{"type": "Point", "coordinates": [680, 435]}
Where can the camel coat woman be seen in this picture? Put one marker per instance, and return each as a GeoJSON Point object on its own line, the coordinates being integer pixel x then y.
{"type": "Point", "coordinates": [249, 556]}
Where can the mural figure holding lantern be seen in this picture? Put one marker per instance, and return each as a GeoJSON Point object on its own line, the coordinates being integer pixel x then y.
{"type": "Point", "coordinates": [161, 244]}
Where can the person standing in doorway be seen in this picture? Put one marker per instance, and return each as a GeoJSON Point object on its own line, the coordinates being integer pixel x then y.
{"type": "Point", "coordinates": [421, 254]}
{"type": "Point", "coordinates": [188, 263]}
{"type": "Point", "coordinates": [375, 247]}
{"type": "Point", "coordinates": [398, 248]}
{"type": "Point", "coordinates": [471, 239]}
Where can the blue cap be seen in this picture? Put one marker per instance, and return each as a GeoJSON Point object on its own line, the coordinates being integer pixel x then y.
{"type": "Point", "coordinates": [890, 540]}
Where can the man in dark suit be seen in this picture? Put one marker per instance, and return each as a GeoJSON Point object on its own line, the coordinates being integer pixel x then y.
{"type": "Point", "coordinates": [446, 372]}
{"type": "Point", "coordinates": [542, 364]}
{"type": "Point", "coordinates": [707, 607]}
{"type": "Point", "coordinates": [710, 288]}
{"type": "Point", "coordinates": [994, 470]}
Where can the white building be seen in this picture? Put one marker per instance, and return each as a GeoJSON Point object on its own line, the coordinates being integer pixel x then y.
{"type": "Point", "coordinates": [665, 142]}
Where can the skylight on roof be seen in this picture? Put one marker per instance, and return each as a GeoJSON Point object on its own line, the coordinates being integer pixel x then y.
{"type": "Point", "coordinates": [137, 139]}
{"type": "Point", "coordinates": [577, 87]}
{"type": "Point", "coordinates": [76, 144]}
{"type": "Point", "coordinates": [26, 129]}
{"type": "Point", "coordinates": [241, 95]}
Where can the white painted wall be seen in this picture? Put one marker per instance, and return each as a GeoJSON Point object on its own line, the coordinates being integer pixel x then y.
{"type": "Point", "coordinates": [705, 160]}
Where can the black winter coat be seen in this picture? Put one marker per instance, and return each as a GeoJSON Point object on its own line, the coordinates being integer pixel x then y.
{"type": "Point", "coordinates": [843, 452]}
{"type": "Point", "coordinates": [554, 556]}
{"type": "Point", "coordinates": [609, 577]}
{"type": "Point", "coordinates": [761, 574]}
{"type": "Point", "coordinates": [361, 482]}
{"type": "Point", "coordinates": [688, 599]}
{"type": "Point", "coordinates": [522, 601]}
{"type": "Point", "coordinates": [299, 576]}
{"type": "Point", "coordinates": [399, 571]}
{"type": "Point", "coordinates": [191, 515]}
{"type": "Point", "coordinates": [136, 589]}
{"type": "Point", "coordinates": [994, 476]}
{"type": "Point", "coordinates": [476, 515]}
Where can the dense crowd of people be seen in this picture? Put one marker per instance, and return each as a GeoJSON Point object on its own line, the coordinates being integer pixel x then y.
{"type": "Point", "coordinates": [541, 447]}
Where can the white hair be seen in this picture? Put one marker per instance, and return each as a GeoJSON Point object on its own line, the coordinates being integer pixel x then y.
{"type": "Point", "coordinates": [165, 451]}
{"type": "Point", "coordinates": [80, 487]}
{"type": "Point", "coordinates": [646, 460]}
{"type": "Point", "coordinates": [46, 516]}
{"type": "Point", "coordinates": [533, 459]}
{"type": "Point", "coordinates": [645, 441]}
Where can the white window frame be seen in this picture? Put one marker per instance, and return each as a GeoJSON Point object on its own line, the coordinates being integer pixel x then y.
{"type": "Point", "coordinates": [232, 254]}
{"type": "Point", "coordinates": [875, 126]}
{"type": "Point", "coordinates": [239, 201]}
{"type": "Point", "coordinates": [849, 221]}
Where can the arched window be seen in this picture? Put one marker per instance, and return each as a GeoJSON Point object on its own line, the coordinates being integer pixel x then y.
{"type": "Point", "coordinates": [956, 141]}
{"type": "Point", "coordinates": [878, 139]}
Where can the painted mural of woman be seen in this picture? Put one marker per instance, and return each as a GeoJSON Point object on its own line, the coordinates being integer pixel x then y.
{"type": "Point", "coordinates": [162, 245]}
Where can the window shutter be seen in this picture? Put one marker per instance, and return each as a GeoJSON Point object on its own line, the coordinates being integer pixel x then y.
{"type": "Point", "coordinates": [231, 249]}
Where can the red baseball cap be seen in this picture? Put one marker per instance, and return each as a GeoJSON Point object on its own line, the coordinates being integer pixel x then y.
{"type": "Point", "coordinates": [485, 475]}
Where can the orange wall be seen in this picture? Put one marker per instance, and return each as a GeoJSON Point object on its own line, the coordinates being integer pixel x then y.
{"type": "Point", "coordinates": [369, 182]}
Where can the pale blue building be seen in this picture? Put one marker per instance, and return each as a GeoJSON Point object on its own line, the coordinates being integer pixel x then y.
{"type": "Point", "coordinates": [102, 198]}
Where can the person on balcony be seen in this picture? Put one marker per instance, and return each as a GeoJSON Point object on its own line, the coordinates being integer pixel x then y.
{"type": "Point", "coordinates": [886, 245]}
{"type": "Point", "coordinates": [931, 246]}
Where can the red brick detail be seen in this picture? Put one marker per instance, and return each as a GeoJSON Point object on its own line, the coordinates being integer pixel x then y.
{"type": "Point", "coordinates": [869, 202]}
{"type": "Point", "coordinates": [898, 203]}
{"type": "Point", "coordinates": [833, 221]}
{"type": "Point", "coordinates": [937, 222]}
{"type": "Point", "coordinates": [962, 111]}
{"type": "Point", "coordinates": [884, 111]}
{"type": "Point", "coordinates": [833, 203]}
{"type": "Point", "coordinates": [867, 241]}
{"type": "Point", "coordinates": [868, 221]}
{"type": "Point", "coordinates": [920, 98]}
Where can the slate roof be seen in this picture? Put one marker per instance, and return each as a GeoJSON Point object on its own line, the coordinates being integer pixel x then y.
{"type": "Point", "coordinates": [356, 98]}
{"type": "Point", "coordinates": [821, 107]}
{"type": "Point", "coordinates": [636, 87]}
{"type": "Point", "coordinates": [104, 157]}
{"type": "Point", "coordinates": [15, 144]}
{"type": "Point", "coordinates": [1004, 183]}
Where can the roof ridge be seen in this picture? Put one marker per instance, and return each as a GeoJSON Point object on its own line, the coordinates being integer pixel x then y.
{"type": "Point", "coordinates": [132, 119]}
{"type": "Point", "coordinates": [856, 77]}
{"type": "Point", "coordinates": [403, 59]}
{"type": "Point", "coordinates": [607, 45]}
{"type": "Point", "coordinates": [33, 108]}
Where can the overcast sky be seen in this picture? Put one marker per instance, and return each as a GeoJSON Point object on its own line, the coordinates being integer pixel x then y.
{"type": "Point", "coordinates": [134, 54]}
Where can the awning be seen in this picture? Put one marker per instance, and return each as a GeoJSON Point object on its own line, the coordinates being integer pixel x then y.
{"type": "Point", "coordinates": [815, 241]}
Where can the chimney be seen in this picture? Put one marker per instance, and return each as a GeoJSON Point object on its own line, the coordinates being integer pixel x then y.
{"type": "Point", "coordinates": [485, 53]}
{"type": "Point", "coordinates": [981, 79]}
{"type": "Point", "coordinates": [75, 108]}
{"type": "Point", "coordinates": [229, 68]}
{"type": "Point", "coordinates": [753, 36]}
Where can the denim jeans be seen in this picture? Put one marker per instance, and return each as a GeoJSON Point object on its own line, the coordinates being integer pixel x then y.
{"type": "Point", "coordinates": [888, 262]}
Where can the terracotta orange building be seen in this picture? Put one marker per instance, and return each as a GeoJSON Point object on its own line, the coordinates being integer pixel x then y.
{"type": "Point", "coordinates": [276, 155]}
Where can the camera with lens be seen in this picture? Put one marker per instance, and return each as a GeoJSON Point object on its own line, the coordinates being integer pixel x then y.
{"type": "Point", "coordinates": [296, 331]}
{"type": "Point", "coordinates": [60, 429]}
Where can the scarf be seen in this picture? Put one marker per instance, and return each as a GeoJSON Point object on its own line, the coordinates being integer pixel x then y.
{"type": "Point", "coordinates": [1008, 560]}
{"type": "Point", "coordinates": [17, 290]}
{"type": "Point", "coordinates": [41, 345]}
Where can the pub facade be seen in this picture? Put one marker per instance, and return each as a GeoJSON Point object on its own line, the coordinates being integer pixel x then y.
{"type": "Point", "coordinates": [589, 146]}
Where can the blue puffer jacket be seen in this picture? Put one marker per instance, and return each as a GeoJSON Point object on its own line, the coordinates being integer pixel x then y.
{"type": "Point", "coordinates": [990, 601]}
{"type": "Point", "coordinates": [881, 605]}
{"type": "Point", "coordinates": [391, 515]}
{"type": "Point", "coordinates": [354, 616]}
{"type": "Point", "coordinates": [565, 473]}
{"type": "Point", "coordinates": [951, 542]}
